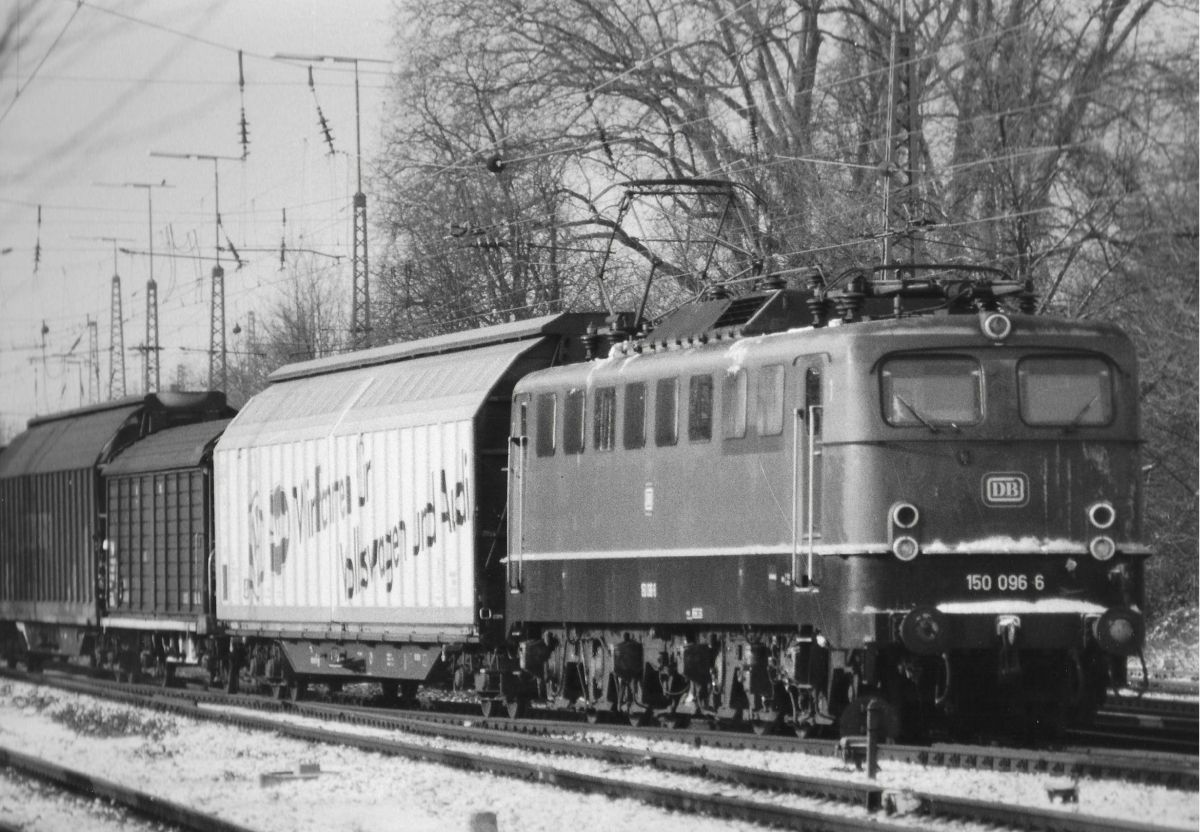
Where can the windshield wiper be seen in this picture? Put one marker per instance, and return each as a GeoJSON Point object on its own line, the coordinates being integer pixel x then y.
{"type": "Point", "coordinates": [920, 418]}
{"type": "Point", "coordinates": [1075, 422]}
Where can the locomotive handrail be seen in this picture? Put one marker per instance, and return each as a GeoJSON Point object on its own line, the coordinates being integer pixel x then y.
{"type": "Point", "coordinates": [803, 581]}
{"type": "Point", "coordinates": [516, 515]}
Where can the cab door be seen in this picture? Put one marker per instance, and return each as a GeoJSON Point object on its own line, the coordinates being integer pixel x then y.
{"type": "Point", "coordinates": [518, 463]}
{"type": "Point", "coordinates": [807, 417]}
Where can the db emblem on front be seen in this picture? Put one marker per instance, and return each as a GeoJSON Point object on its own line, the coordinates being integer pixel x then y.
{"type": "Point", "coordinates": [1005, 489]}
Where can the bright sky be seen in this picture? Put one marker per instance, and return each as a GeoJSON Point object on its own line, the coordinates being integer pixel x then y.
{"type": "Point", "coordinates": [94, 88]}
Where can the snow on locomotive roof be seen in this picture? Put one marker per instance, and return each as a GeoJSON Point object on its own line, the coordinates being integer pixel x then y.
{"type": "Point", "coordinates": [181, 447]}
{"type": "Point", "coordinates": [567, 323]}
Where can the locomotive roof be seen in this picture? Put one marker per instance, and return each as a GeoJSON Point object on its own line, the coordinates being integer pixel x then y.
{"type": "Point", "coordinates": [181, 447]}
{"type": "Point", "coordinates": [566, 323]}
{"type": "Point", "coordinates": [886, 335]}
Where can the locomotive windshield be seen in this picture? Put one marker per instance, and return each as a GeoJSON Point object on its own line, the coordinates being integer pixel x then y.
{"type": "Point", "coordinates": [931, 391]}
{"type": "Point", "coordinates": [1066, 391]}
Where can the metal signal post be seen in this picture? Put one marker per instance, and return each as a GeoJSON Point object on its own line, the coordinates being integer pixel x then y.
{"type": "Point", "coordinates": [360, 306]}
{"type": "Point", "coordinates": [218, 366]}
{"type": "Point", "coordinates": [150, 348]}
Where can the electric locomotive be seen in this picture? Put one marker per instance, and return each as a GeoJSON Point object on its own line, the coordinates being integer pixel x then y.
{"type": "Point", "coordinates": [783, 506]}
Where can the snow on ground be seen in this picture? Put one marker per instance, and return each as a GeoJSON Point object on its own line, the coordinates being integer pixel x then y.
{"type": "Point", "coordinates": [218, 768]}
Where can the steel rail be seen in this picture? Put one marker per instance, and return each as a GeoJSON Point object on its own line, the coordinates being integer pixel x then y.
{"type": "Point", "coordinates": [867, 796]}
{"type": "Point", "coordinates": [138, 802]}
{"type": "Point", "coordinates": [1170, 770]}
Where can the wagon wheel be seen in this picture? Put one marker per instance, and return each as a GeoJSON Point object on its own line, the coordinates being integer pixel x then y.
{"type": "Point", "coordinates": [297, 689]}
{"type": "Point", "coordinates": [517, 707]}
{"type": "Point", "coordinates": [766, 723]}
{"type": "Point", "coordinates": [490, 707]}
{"type": "Point", "coordinates": [629, 703]}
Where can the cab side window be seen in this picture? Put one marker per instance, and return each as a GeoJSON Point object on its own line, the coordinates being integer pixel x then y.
{"type": "Point", "coordinates": [635, 416]}
{"type": "Point", "coordinates": [812, 397]}
{"type": "Point", "coordinates": [700, 407]}
{"type": "Point", "coordinates": [666, 412]}
{"type": "Point", "coordinates": [733, 404]}
{"type": "Point", "coordinates": [573, 421]}
{"type": "Point", "coordinates": [604, 418]}
{"type": "Point", "coordinates": [770, 400]}
{"type": "Point", "coordinates": [547, 423]}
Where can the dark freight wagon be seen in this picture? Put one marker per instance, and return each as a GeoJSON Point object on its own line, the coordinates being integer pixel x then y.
{"type": "Point", "coordinates": [157, 559]}
{"type": "Point", "coordinates": [52, 518]}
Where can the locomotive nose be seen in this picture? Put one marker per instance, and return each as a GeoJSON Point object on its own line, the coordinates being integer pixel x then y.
{"type": "Point", "coordinates": [1119, 631]}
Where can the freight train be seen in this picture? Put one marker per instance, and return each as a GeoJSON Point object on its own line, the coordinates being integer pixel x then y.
{"type": "Point", "coordinates": [899, 486]}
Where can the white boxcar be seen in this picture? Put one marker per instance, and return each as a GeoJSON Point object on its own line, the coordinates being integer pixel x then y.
{"type": "Point", "coordinates": [360, 500]}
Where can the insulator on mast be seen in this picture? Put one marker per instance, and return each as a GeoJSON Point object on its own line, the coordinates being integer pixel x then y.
{"type": "Point", "coordinates": [324, 125]}
{"type": "Point", "coordinates": [245, 128]}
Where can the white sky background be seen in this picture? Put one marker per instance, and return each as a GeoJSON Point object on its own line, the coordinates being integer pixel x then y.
{"type": "Point", "coordinates": [131, 76]}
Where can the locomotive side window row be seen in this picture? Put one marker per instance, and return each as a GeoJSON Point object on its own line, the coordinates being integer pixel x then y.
{"type": "Point", "coordinates": [737, 407]}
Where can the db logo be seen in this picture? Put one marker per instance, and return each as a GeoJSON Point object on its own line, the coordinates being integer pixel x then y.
{"type": "Point", "coordinates": [1009, 489]}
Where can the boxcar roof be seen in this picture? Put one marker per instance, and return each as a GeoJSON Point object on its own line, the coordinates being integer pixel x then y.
{"type": "Point", "coordinates": [181, 447]}
{"type": "Point", "coordinates": [567, 323]}
{"type": "Point", "coordinates": [427, 390]}
{"type": "Point", "coordinates": [67, 441]}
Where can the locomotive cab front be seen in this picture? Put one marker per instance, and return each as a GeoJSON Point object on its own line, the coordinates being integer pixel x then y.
{"type": "Point", "coordinates": [981, 514]}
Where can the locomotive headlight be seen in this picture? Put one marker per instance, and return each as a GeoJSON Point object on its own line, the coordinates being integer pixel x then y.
{"type": "Point", "coordinates": [1102, 547]}
{"type": "Point", "coordinates": [1119, 631]}
{"type": "Point", "coordinates": [1102, 514]}
{"type": "Point", "coordinates": [906, 548]}
{"type": "Point", "coordinates": [905, 515]}
{"type": "Point", "coordinates": [996, 326]}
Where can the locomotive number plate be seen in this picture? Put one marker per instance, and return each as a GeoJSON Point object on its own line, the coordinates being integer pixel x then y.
{"type": "Point", "coordinates": [979, 582]}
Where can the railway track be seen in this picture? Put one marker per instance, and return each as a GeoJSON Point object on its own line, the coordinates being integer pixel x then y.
{"type": "Point", "coordinates": [141, 803]}
{"type": "Point", "coordinates": [1148, 723]}
{"type": "Point", "coordinates": [547, 738]}
{"type": "Point", "coordinates": [1133, 753]}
